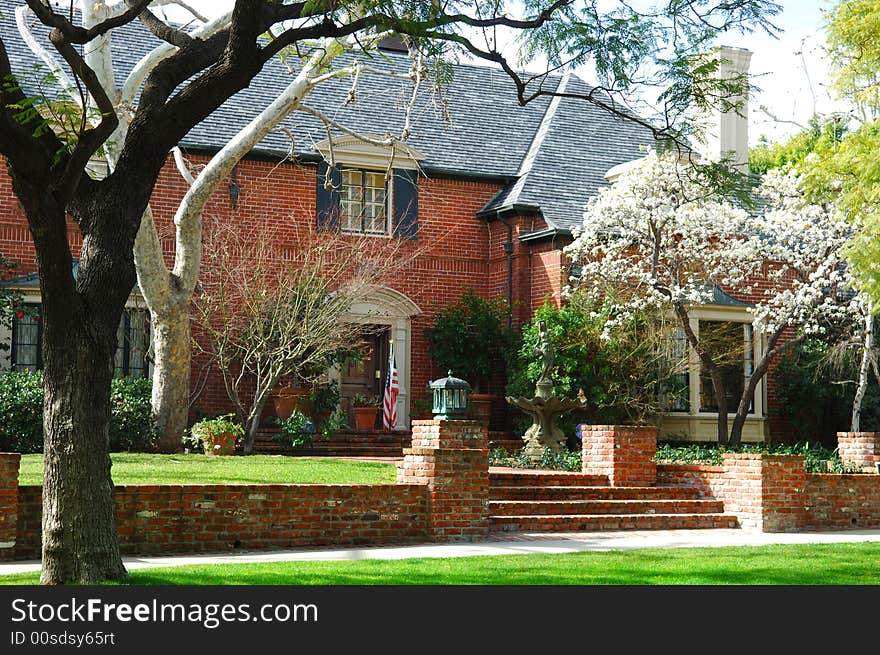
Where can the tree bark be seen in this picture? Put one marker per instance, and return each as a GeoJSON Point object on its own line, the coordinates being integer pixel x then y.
{"type": "Point", "coordinates": [79, 518]}
{"type": "Point", "coordinates": [171, 374]}
{"type": "Point", "coordinates": [80, 543]}
{"type": "Point", "coordinates": [864, 370]}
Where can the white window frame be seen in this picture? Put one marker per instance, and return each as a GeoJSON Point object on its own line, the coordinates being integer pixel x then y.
{"type": "Point", "coordinates": [389, 202]}
{"type": "Point", "coordinates": [723, 314]}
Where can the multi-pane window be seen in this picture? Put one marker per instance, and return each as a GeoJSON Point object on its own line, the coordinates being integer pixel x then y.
{"type": "Point", "coordinates": [364, 202]}
{"type": "Point", "coordinates": [133, 337]}
{"type": "Point", "coordinates": [27, 335]}
{"type": "Point", "coordinates": [680, 380]}
{"type": "Point", "coordinates": [731, 344]}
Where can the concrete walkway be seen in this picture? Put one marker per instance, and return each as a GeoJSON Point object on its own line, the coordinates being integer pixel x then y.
{"type": "Point", "coordinates": [507, 544]}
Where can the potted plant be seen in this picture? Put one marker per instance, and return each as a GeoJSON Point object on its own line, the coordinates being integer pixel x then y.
{"type": "Point", "coordinates": [471, 339]}
{"type": "Point", "coordinates": [365, 409]}
{"type": "Point", "coordinates": [218, 436]}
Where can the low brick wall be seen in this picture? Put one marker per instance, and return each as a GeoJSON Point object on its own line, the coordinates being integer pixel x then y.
{"type": "Point", "coordinates": [452, 459]}
{"type": "Point", "coordinates": [860, 449]}
{"type": "Point", "coordinates": [216, 518]}
{"type": "Point", "coordinates": [709, 480]}
{"type": "Point", "coordinates": [8, 503]}
{"type": "Point", "coordinates": [842, 501]}
{"type": "Point", "coordinates": [623, 453]}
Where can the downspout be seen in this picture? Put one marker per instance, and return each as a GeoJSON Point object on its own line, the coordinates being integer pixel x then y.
{"type": "Point", "coordinates": [508, 250]}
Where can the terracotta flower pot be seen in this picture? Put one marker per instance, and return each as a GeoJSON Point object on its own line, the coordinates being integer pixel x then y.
{"type": "Point", "coordinates": [219, 444]}
{"type": "Point", "coordinates": [364, 418]}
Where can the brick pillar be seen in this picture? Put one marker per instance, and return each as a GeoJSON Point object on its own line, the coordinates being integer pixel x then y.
{"type": "Point", "coordinates": [8, 503]}
{"type": "Point", "coordinates": [861, 449]}
{"type": "Point", "coordinates": [624, 453]}
{"type": "Point", "coordinates": [765, 491]}
{"type": "Point", "coordinates": [452, 459]}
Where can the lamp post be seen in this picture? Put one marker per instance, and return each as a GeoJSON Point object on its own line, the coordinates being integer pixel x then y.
{"type": "Point", "coordinates": [450, 397]}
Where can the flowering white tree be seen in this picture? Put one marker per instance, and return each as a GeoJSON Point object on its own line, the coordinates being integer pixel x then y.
{"type": "Point", "coordinates": [661, 236]}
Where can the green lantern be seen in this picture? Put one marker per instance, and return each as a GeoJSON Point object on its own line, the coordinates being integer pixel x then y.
{"type": "Point", "coordinates": [450, 398]}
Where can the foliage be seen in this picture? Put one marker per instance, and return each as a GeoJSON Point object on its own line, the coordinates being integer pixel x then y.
{"type": "Point", "coordinates": [210, 432]}
{"type": "Point", "coordinates": [21, 406]}
{"type": "Point", "coordinates": [132, 426]}
{"type": "Point", "coordinates": [570, 460]}
{"type": "Point", "coordinates": [622, 376]}
{"type": "Point", "coordinates": [821, 134]}
{"type": "Point", "coordinates": [813, 397]}
{"type": "Point", "coordinates": [364, 400]}
{"type": "Point", "coordinates": [324, 417]}
{"type": "Point", "coordinates": [470, 338]}
{"type": "Point", "coordinates": [154, 468]}
{"type": "Point", "coordinates": [817, 458]}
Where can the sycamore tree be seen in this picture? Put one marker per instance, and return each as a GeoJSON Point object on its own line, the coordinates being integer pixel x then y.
{"type": "Point", "coordinates": [136, 128]}
{"type": "Point", "coordinates": [660, 237]}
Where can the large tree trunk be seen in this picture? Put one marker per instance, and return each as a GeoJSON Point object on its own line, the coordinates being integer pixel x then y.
{"type": "Point", "coordinates": [171, 373]}
{"type": "Point", "coordinates": [80, 543]}
{"type": "Point", "coordinates": [79, 521]}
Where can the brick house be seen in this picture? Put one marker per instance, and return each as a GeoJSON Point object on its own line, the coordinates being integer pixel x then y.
{"type": "Point", "coordinates": [486, 190]}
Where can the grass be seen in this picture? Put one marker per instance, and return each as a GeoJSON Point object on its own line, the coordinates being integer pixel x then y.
{"type": "Point", "coordinates": [143, 468]}
{"type": "Point", "coordinates": [803, 564]}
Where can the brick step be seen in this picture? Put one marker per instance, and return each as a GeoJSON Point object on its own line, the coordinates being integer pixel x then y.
{"type": "Point", "coordinates": [529, 478]}
{"type": "Point", "coordinates": [592, 493]}
{"type": "Point", "coordinates": [583, 507]}
{"type": "Point", "coordinates": [591, 522]}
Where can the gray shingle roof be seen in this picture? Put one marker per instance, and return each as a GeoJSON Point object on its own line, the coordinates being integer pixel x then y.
{"type": "Point", "coordinates": [485, 133]}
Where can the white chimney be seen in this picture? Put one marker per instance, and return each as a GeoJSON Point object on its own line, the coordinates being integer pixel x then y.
{"type": "Point", "coordinates": [726, 133]}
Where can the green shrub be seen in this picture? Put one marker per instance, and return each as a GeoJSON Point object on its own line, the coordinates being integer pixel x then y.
{"type": "Point", "coordinates": [817, 458]}
{"type": "Point", "coordinates": [811, 397]}
{"type": "Point", "coordinates": [621, 374]}
{"type": "Point", "coordinates": [131, 418]}
{"type": "Point", "coordinates": [471, 339]}
{"type": "Point", "coordinates": [21, 413]}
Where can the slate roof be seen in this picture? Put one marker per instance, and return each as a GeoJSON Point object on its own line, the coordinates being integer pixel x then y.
{"type": "Point", "coordinates": [485, 133]}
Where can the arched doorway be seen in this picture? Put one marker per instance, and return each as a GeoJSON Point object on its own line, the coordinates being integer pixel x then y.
{"type": "Point", "coordinates": [391, 313]}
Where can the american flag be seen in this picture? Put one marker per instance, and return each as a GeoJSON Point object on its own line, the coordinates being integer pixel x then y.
{"type": "Point", "coordinates": [389, 400]}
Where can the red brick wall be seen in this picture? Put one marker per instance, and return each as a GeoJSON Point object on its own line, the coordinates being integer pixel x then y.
{"type": "Point", "coordinates": [623, 453]}
{"type": "Point", "coordinates": [861, 449]}
{"type": "Point", "coordinates": [708, 479]}
{"type": "Point", "coordinates": [451, 457]}
{"type": "Point", "coordinates": [8, 503]}
{"type": "Point", "coordinates": [842, 501]}
{"type": "Point", "coordinates": [215, 518]}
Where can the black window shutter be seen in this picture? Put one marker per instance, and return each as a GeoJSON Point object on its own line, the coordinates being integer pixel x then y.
{"type": "Point", "coordinates": [327, 200]}
{"type": "Point", "coordinates": [406, 204]}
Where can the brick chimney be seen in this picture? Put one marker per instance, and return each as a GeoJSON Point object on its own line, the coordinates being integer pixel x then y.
{"type": "Point", "coordinates": [726, 133]}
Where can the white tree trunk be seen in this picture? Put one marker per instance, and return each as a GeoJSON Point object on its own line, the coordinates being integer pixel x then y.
{"type": "Point", "coordinates": [864, 370]}
{"type": "Point", "coordinates": [171, 372]}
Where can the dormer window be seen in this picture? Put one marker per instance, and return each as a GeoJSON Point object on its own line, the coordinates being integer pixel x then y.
{"type": "Point", "coordinates": [358, 196]}
{"type": "Point", "coordinates": [364, 202]}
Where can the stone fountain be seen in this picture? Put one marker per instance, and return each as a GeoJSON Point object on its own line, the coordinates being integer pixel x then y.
{"type": "Point", "coordinates": [545, 408]}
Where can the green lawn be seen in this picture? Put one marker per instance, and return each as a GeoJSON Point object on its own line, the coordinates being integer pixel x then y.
{"type": "Point", "coordinates": [142, 468]}
{"type": "Point", "coordinates": [825, 564]}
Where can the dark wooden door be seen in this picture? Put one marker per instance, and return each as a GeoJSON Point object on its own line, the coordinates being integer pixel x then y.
{"type": "Point", "coordinates": [366, 375]}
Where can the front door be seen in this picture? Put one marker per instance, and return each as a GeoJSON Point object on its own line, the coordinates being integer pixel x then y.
{"type": "Point", "coordinates": [365, 376]}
